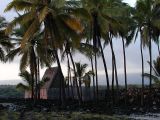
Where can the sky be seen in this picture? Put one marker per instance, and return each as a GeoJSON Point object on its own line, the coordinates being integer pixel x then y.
{"type": "Point", "coordinates": [10, 71]}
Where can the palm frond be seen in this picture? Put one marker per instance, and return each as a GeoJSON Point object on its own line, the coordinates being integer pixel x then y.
{"type": "Point", "coordinates": [30, 32]}
{"type": "Point", "coordinates": [43, 13]}
{"type": "Point", "coordinates": [19, 5]}
{"type": "Point", "coordinates": [148, 76]}
{"type": "Point", "coordinates": [26, 77]}
{"type": "Point", "coordinates": [19, 20]}
{"type": "Point", "coordinates": [42, 82]}
{"type": "Point", "coordinates": [24, 62]}
{"type": "Point", "coordinates": [21, 86]}
{"type": "Point", "coordinates": [12, 54]}
{"type": "Point", "coordinates": [2, 55]}
{"type": "Point", "coordinates": [73, 23]}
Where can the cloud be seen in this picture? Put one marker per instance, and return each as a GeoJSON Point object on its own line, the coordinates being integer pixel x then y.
{"type": "Point", "coordinates": [9, 71]}
{"type": "Point", "coordinates": [131, 2]}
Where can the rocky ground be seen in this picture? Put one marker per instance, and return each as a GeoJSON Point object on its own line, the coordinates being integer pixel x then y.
{"type": "Point", "coordinates": [32, 115]}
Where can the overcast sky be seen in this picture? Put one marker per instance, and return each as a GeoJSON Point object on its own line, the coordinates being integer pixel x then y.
{"type": "Point", "coordinates": [9, 71]}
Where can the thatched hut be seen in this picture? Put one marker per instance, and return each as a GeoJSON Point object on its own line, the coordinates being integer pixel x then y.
{"type": "Point", "coordinates": [50, 90]}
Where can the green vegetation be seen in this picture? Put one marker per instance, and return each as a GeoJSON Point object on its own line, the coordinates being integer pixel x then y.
{"type": "Point", "coordinates": [156, 75]}
{"type": "Point", "coordinates": [10, 91]}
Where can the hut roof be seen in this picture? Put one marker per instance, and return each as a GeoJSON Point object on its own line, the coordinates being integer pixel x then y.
{"type": "Point", "coordinates": [50, 74]}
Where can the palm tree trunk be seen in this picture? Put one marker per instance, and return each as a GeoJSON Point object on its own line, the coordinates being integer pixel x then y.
{"type": "Point", "coordinates": [74, 68]}
{"type": "Point", "coordinates": [68, 74]}
{"type": "Point", "coordinates": [94, 92]}
{"type": "Point", "coordinates": [38, 74]}
{"type": "Point", "coordinates": [116, 78]}
{"type": "Point", "coordinates": [97, 43]}
{"type": "Point", "coordinates": [158, 48]}
{"type": "Point", "coordinates": [80, 87]}
{"type": "Point", "coordinates": [97, 95]}
{"type": "Point", "coordinates": [150, 83]}
{"type": "Point", "coordinates": [142, 60]}
{"type": "Point", "coordinates": [32, 88]}
{"type": "Point", "coordinates": [71, 83]}
{"type": "Point", "coordinates": [32, 70]}
{"type": "Point", "coordinates": [105, 65]}
{"type": "Point", "coordinates": [114, 63]}
{"type": "Point", "coordinates": [116, 74]}
{"type": "Point", "coordinates": [125, 70]}
{"type": "Point", "coordinates": [113, 95]}
{"type": "Point", "coordinates": [36, 79]}
{"type": "Point", "coordinates": [50, 23]}
{"type": "Point", "coordinates": [114, 70]}
{"type": "Point", "coordinates": [62, 79]}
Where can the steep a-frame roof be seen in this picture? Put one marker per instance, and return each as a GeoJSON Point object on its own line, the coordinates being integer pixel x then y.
{"type": "Point", "coordinates": [50, 74]}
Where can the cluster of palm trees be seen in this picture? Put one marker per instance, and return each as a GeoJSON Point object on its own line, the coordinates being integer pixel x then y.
{"type": "Point", "coordinates": [46, 29]}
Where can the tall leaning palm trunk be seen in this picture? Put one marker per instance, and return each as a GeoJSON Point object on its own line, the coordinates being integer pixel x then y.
{"type": "Point", "coordinates": [114, 71]}
{"type": "Point", "coordinates": [96, 75]}
{"type": "Point", "coordinates": [125, 69]}
{"type": "Point", "coordinates": [49, 24]}
{"type": "Point", "coordinates": [32, 71]}
{"type": "Point", "coordinates": [150, 55]}
{"type": "Point", "coordinates": [158, 48]}
{"type": "Point", "coordinates": [93, 77]}
{"type": "Point", "coordinates": [62, 86]}
{"type": "Point", "coordinates": [142, 60]}
{"type": "Point", "coordinates": [113, 75]}
{"type": "Point", "coordinates": [105, 65]}
{"type": "Point", "coordinates": [97, 44]}
{"type": "Point", "coordinates": [114, 62]}
{"type": "Point", "coordinates": [80, 86]}
{"type": "Point", "coordinates": [32, 85]}
{"type": "Point", "coordinates": [76, 82]}
{"type": "Point", "coordinates": [69, 76]}
{"type": "Point", "coordinates": [38, 77]}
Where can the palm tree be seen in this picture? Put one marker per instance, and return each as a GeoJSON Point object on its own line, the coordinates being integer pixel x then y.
{"type": "Point", "coordinates": [80, 70]}
{"type": "Point", "coordinates": [99, 25]}
{"type": "Point", "coordinates": [68, 51]}
{"type": "Point", "coordinates": [5, 43]}
{"type": "Point", "coordinates": [33, 49]}
{"type": "Point", "coordinates": [156, 75]}
{"type": "Point", "coordinates": [126, 31]}
{"type": "Point", "coordinates": [87, 50]}
{"type": "Point", "coordinates": [87, 78]}
{"type": "Point", "coordinates": [82, 75]}
{"type": "Point", "coordinates": [139, 21]}
{"type": "Point", "coordinates": [27, 78]}
{"type": "Point", "coordinates": [57, 21]}
{"type": "Point", "coordinates": [148, 21]}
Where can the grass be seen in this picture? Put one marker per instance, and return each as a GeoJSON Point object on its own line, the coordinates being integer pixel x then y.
{"type": "Point", "coordinates": [5, 115]}
{"type": "Point", "coordinates": [8, 115]}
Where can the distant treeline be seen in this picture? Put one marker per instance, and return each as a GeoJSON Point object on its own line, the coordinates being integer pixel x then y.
{"type": "Point", "coordinates": [10, 91]}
